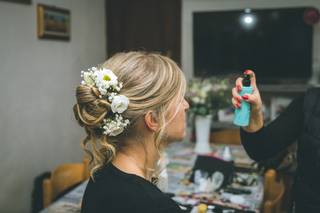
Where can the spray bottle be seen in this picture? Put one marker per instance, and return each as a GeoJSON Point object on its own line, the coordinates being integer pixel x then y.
{"type": "Point", "coordinates": [242, 114]}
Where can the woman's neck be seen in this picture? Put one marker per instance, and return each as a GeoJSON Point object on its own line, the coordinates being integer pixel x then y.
{"type": "Point", "coordinates": [139, 159]}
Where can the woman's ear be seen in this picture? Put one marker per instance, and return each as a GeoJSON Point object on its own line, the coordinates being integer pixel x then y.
{"type": "Point", "coordinates": [151, 121]}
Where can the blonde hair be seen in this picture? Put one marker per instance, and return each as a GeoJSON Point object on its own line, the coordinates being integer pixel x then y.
{"type": "Point", "coordinates": [151, 82]}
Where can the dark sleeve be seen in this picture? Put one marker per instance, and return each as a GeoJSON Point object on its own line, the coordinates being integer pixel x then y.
{"type": "Point", "coordinates": [278, 135]}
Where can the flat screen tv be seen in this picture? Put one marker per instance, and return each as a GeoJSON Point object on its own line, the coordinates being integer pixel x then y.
{"type": "Point", "coordinates": [275, 43]}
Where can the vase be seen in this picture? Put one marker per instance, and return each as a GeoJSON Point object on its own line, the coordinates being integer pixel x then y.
{"type": "Point", "coordinates": [203, 124]}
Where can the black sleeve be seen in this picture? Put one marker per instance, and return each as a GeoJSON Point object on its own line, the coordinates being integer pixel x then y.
{"type": "Point", "coordinates": [279, 134]}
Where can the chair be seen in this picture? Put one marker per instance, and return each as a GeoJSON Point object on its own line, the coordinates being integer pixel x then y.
{"type": "Point", "coordinates": [274, 191]}
{"type": "Point", "coordinates": [62, 178]}
{"type": "Point", "coordinates": [86, 163]}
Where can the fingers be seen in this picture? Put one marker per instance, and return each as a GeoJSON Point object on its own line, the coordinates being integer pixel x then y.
{"type": "Point", "coordinates": [236, 103]}
{"type": "Point", "coordinates": [236, 98]}
{"type": "Point", "coordinates": [239, 84]}
{"type": "Point", "coordinates": [250, 98]}
{"type": "Point", "coordinates": [235, 94]}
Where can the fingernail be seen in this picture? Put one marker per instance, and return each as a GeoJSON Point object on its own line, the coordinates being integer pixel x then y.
{"type": "Point", "coordinates": [245, 97]}
{"type": "Point", "coordinates": [238, 105]}
{"type": "Point", "coordinates": [247, 71]}
{"type": "Point", "coordinates": [238, 88]}
{"type": "Point", "coordinates": [238, 98]}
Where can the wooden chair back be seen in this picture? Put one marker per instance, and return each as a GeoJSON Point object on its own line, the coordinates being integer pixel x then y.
{"type": "Point", "coordinates": [63, 177]}
{"type": "Point", "coordinates": [274, 189]}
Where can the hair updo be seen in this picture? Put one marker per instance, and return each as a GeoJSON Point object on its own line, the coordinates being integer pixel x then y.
{"type": "Point", "coordinates": [150, 82]}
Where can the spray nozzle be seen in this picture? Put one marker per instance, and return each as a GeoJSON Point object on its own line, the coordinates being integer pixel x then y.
{"type": "Point", "coordinates": [246, 80]}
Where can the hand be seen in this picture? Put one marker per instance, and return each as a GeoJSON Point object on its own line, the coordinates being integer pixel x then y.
{"type": "Point", "coordinates": [254, 99]}
{"type": "Point", "coordinates": [256, 116]}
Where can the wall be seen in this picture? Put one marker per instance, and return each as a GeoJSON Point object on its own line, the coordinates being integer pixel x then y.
{"type": "Point", "coordinates": [37, 86]}
{"type": "Point", "coordinates": [190, 6]}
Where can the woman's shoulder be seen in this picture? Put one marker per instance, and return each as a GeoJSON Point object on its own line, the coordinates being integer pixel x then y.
{"type": "Point", "coordinates": [116, 189]}
{"type": "Point", "coordinates": [109, 179]}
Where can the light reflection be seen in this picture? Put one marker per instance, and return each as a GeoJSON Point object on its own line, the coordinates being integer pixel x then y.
{"type": "Point", "coordinates": [248, 19]}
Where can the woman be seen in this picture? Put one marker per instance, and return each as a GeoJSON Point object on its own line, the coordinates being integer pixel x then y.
{"type": "Point", "coordinates": [300, 121]}
{"type": "Point", "coordinates": [131, 108]}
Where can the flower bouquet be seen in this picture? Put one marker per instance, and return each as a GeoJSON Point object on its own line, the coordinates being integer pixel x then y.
{"type": "Point", "coordinates": [206, 97]}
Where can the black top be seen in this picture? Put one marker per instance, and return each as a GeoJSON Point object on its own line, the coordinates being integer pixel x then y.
{"type": "Point", "coordinates": [279, 134]}
{"type": "Point", "coordinates": [120, 192]}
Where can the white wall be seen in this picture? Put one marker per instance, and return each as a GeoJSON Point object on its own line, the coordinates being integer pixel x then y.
{"type": "Point", "coordinates": [37, 92]}
{"type": "Point", "coordinates": [190, 6]}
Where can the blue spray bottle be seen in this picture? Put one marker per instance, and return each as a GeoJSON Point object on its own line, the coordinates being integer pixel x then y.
{"type": "Point", "coordinates": [242, 114]}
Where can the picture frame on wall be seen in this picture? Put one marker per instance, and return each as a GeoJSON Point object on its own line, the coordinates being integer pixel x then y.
{"type": "Point", "coordinates": [53, 22]}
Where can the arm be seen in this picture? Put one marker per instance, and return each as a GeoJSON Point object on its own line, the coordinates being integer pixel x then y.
{"type": "Point", "coordinates": [267, 141]}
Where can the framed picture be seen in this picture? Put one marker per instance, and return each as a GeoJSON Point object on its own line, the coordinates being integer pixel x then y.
{"type": "Point", "coordinates": [53, 22]}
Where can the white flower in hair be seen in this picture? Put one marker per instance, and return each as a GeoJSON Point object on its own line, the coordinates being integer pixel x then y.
{"type": "Point", "coordinates": [119, 104]}
{"type": "Point", "coordinates": [104, 79]}
{"type": "Point", "coordinates": [109, 87]}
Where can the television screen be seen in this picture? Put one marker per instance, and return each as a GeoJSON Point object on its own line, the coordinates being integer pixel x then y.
{"type": "Point", "coordinates": [275, 43]}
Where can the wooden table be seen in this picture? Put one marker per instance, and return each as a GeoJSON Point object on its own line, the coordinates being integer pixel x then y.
{"type": "Point", "coordinates": [181, 159]}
